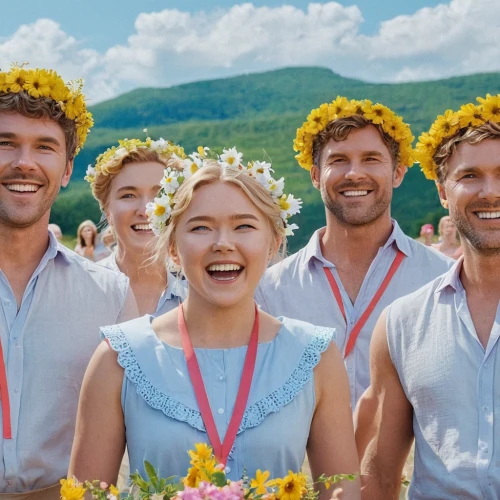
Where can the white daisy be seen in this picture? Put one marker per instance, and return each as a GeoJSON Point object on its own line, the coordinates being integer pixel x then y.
{"type": "Point", "coordinates": [289, 206]}
{"type": "Point", "coordinates": [170, 182]}
{"type": "Point", "coordinates": [290, 228]}
{"type": "Point", "coordinates": [276, 187]}
{"type": "Point", "coordinates": [231, 158]}
{"type": "Point", "coordinates": [191, 164]}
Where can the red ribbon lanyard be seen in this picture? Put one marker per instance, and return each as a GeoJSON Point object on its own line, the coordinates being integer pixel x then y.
{"type": "Point", "coordinates": [221, 451]}
{"type": "Point", "coordinates": [4, 396]}
{"type": "Point", "coordinates": [353, 336]}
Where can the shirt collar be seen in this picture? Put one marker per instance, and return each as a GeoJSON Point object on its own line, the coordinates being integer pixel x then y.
{"type": "Point", "coordinates": [397, 237]}
{"type": "Point", "coordinates": [175, 287]}
{"type": "Point", "coordinates": [452, 278]}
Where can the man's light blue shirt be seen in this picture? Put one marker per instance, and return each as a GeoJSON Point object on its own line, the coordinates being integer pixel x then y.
{"type": "Point", "coordinates": [298, 288]}
{"type": "Point", "coordinates": [47, 345]}
{"type": "Point", "coordinates": [453, 385]}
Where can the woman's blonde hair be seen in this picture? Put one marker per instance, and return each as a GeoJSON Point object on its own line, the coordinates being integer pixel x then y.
{"type": "Point", "coordinates": [80, 239]}
{"type": "Point", "coordinates": [101, 187]}
{"type": "Point", "coordinates": [211, 173]}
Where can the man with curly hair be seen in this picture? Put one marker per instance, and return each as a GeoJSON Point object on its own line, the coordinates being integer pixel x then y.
{"type": "Point", "coordinates": [435, 354]}
{"type": "Point", "coordinates": [52, 301]}
{"type": "Point", "coordinates": [357, 153]}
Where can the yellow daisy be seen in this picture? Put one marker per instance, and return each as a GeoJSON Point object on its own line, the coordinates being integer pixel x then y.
{"type": "Point", "coordinates": [470, 115]}
{"type": "Point", "coordinates": [378, 113]}
{"type": "Point", "coordinates": [491, 107]}
{"type": "Point", "coordinates": [15, 80]}
{"type": "Point", "coordinates": [290, 487]}
{"type": "Point", "coordinates": [260, 483]}
{"type": "Point", "coordinates": [71, 489]}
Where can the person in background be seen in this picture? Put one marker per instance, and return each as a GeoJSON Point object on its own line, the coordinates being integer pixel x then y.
{"type": "Point", "coordinates": [86, 236]}
{"type": "Point", "coordinates": [52, 301]}
{"type": "Point", "coordinates": [427, 234]}
{"type": "Point", "coordinates": [124, 180]}
{"type": "Point", "coordinates": [448, 241]}
{"type": "Point", "coordinates": [357, 153]}
{"type": "Point", "coordinates": [106, 244]}
{"type": "Point", "coordinates": [56, 230]}
{"type": "Point", "coordinates": [435, 353]}
{"type": "Point", "coordinates": [148, 382]}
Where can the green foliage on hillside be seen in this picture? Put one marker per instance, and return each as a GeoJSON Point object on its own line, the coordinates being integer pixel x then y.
{"type": "Point", "coordinates": [259, 114]}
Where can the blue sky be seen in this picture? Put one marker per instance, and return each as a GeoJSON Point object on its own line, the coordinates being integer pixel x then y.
{"type": "Point", "coordinates": [152, 43]}
{"type": "Point", "coordinates": [102, 24]}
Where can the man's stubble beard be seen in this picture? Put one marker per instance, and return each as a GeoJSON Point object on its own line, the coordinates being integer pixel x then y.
{"type": "Point", "coordinates": [467, 232]}
{"type": "Point", "coordinates": [374, 212]}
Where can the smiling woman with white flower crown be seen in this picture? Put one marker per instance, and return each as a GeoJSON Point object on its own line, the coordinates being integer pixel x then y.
{"type": "Point", "coordinates": [123, 180]}
{"type": "Point", "coordinates": [260, 390]}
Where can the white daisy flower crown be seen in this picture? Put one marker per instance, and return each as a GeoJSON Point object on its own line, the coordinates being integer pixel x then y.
{"type": "Point", "coordinates": [160, 210]}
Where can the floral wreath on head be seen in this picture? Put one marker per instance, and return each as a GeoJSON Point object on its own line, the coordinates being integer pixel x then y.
{"type": "Point", "coordinates": [40, 83]}
{"type": "Point", "coordinates": [468, 116]}
{"type": "Point", "coordinates": [160, 210]}
{"type": "Point", "coordinates": [378, 114]}
{"type": "Point", "coordinates": [164, 148]}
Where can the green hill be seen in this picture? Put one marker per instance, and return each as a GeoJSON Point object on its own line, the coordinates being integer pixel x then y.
{"type": "Point", "coordinates": [259, 114]}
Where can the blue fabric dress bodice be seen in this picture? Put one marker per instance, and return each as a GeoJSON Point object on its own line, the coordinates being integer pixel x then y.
{"type": "Point", "coordinates": [161, 414]}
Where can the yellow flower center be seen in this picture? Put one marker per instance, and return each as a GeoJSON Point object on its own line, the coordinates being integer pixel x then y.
{"type": "Point", "coordinates": [168, 179]}
{"type": "Point", "coordinates": [230, 160]}
{"type": "Point", "coordinates": [289, 487]}
{"type": "Point", "coordinates": [159, 210]}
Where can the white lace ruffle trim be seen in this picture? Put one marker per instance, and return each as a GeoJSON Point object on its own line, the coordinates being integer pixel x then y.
{"type": "Point", "coordinates": [253, 415]}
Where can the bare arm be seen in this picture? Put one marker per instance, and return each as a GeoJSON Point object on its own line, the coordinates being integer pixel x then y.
{"type": "Point", "coordinates": [384, 429]}
{"type": "Point", "coordinates": [331, 447]}
{"type": "Point", "coordinates": [99, 441]}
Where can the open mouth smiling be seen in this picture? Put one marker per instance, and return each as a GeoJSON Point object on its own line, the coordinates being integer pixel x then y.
{"type": "Point", "coordinates": [356, 193]}
{"type": "Point", "coordinates": [142, 228]}
{"type": "Point", "coordinates": [22, 188]}
{"type": "Point", "coordinates": [488, 215]}
{"type": "Point", "coordinates": [224, 272]}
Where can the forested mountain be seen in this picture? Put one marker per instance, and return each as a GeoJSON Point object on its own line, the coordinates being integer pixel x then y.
{"type": "Point", "coordinates": [259, 114]}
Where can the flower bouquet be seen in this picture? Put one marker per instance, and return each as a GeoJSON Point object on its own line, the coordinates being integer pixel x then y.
{"type": "Point", "coordinates": [205, 480]}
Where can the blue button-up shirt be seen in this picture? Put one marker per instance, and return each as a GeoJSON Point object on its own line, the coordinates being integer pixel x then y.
{"type": "Point", "coordinates": [453, 384]}
{"type": "Point", "coordinates": [298, 288]}
{"type": "Point", "coordinates": [47, 345]}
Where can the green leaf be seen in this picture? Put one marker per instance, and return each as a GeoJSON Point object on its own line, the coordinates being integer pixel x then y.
{"type": "Point", "coordinates": [152, 474]}
{"type": "Point", "coordinates": [139, 481]}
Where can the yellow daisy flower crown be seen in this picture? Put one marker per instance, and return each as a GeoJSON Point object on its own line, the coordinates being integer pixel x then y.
{"type": "Point", "coordinates": [40, 83]}
{"type": "Point", "coordinates": [449, 124]}
{"type": "Point", "coordinates": [341, 107]}
{"type": "Point", "coordinates": [163, 147]}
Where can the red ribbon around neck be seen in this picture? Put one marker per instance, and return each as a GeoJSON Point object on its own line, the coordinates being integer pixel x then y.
{"type": "Point", "coordinates": [221, 450]}
{"type": "Point", "coordinates": [354, 334]}
{"type": "Point", "coordinates": [4, 396]}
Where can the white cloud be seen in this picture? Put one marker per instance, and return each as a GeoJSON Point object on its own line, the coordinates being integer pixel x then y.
{"type": "Point", "coordinates": [172, 46]}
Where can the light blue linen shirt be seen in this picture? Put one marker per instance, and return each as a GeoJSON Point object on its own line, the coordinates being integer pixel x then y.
{"type": "Point", "coordinates": [162, 417]}
{"type": "Point", "coordinates": [298, 288]}
{"type": "Point", "coordinates": [171, 297]}
{"type": "Point", "coordinates": [47, 345]}
{"type": "Point", "coordinates": [453, 384]}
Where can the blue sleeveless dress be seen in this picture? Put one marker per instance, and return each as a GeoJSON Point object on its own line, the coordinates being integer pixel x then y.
{"type": "Point", "coordinates": [161, 414]}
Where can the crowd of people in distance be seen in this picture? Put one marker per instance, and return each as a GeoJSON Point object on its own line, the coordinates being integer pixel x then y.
{"type": "Point", "coordinates": [188, 322]}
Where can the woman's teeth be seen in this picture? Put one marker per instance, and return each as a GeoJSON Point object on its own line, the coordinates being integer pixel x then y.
{"type": "Point", "coordinates": [141, 227]}
{"type": "Point", "coordinates": [224, 267]}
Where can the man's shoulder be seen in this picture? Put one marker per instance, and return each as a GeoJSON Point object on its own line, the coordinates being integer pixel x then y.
{"type": "Point", "coordinates": [423, 254]}
{"type": "Point", "coordinates": [416, 301]}
{"type": "Point", "coordinates": [287, 268]}
{"type": "Point", "coordinates": [79, 265]}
